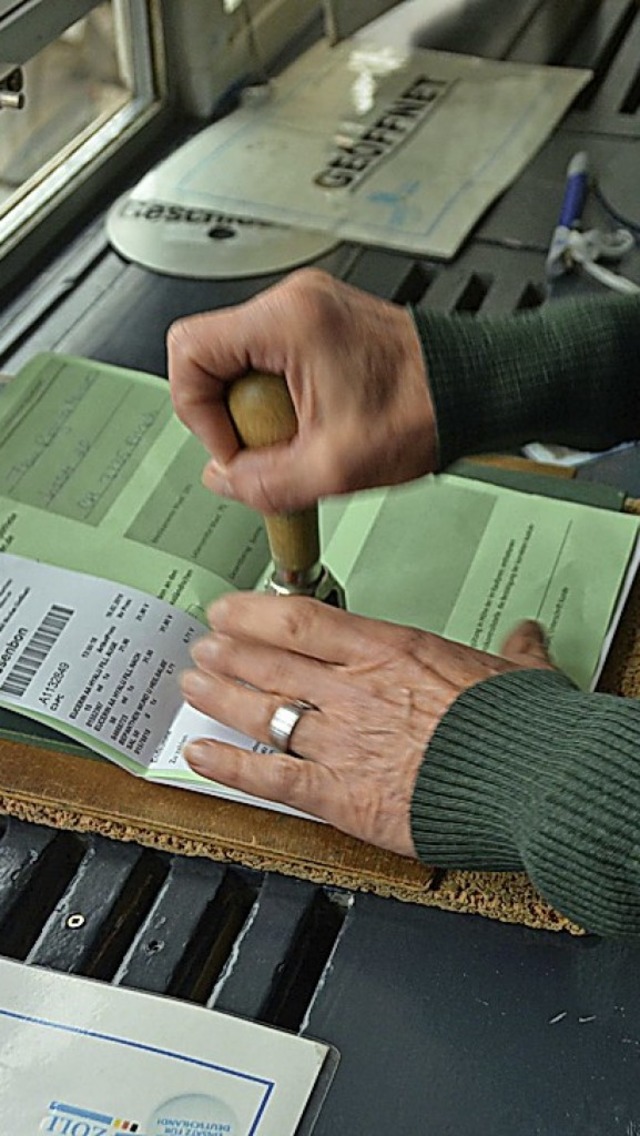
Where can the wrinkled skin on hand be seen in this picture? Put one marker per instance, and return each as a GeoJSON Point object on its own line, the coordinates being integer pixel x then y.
{"type": "Point", "coordinates": [380, 691]}
{"type": "Point", "coordinates": [356, 374]}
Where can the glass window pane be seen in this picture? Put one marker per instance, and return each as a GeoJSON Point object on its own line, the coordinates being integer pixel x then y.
{"type": "Point", "coordinates": [71, 87]}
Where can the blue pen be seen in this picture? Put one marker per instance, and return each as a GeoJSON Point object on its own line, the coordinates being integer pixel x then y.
{"type": "Point", "coordinates": [575, 193]}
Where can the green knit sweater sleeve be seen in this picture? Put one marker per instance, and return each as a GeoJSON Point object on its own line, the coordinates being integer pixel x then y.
{"type": "Point", "coordinates": [525, 772]}
{"type": "Point", "coordinates": [567, 372]}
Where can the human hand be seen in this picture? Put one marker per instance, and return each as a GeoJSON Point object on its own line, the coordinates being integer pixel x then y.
{"type": "Point", "coordinates": [380, 691]}
{"type": "Point", "coordinates": [356, 375]}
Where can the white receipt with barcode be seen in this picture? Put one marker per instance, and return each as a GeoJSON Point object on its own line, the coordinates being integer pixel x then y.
{"type": "Point", "coordinates": [97, 660]}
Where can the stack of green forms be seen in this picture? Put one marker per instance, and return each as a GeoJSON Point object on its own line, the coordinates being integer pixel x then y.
{"type": "Point", "coordinates": [110, 551]}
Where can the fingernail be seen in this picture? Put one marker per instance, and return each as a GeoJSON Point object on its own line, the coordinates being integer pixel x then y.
{"type": "Point", "coordinates": [194, 645]}
{"type": "Point", "coordinates": [201, 651]}
{"type": "Point", "coordinates": [217, 612]}
{"type": "Point", "coordinates": [539, 630]}
{"type": "Point", "coordinates": [192, 683]}
{"type": "Point", "coordinates": [195, 753]}
{"type": "Point", "coordinates": [216, 478]}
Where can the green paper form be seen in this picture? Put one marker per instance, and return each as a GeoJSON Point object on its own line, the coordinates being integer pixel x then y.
{"type": "Point", "coordinates": [469, 561]}
{"type": "Point", "coordinates": [98, 476]}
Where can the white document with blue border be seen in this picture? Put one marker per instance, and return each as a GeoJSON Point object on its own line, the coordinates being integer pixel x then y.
{"type": "Point", "coordinates": [83, 1058]}
{"type": "Point", "coordinates": [364, 143]}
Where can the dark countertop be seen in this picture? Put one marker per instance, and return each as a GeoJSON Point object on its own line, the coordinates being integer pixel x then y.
{"type": "Point", "coordinates": [445, 1023]}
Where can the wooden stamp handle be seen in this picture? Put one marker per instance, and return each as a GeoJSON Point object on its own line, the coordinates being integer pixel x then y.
{"type": "Point", "coordinates": [263, 413]}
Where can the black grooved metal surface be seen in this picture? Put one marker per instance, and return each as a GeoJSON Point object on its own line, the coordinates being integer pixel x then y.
{"type": "Point", "coordinates": [126, 879]}
{"type": "Point", "coordinates": [182, 909]}
{"type": "Point", "coordinates": [610, 46]}
{"type": "Point", "coordinates": [445, 1023]}
{"type": "Point", "coordinates": [32, 891]}
{"type": "Point", "coordinates": [261, 983]}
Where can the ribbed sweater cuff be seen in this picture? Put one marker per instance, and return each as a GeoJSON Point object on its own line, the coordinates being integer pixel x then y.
{"type": "Point", "coordinates": [566, 372]}
{"type": "Point", "coordinates": [525, 772]}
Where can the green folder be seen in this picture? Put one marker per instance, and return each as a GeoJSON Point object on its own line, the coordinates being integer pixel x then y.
{"type": "Point", "coordinates": [99, 476]}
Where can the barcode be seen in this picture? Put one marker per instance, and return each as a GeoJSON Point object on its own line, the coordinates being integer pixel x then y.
{"type": "Point", "coordinates": [34, 654]}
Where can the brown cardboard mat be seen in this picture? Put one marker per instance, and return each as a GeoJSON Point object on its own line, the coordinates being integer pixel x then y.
{"type": "Point", "coordinates": [76, 792]}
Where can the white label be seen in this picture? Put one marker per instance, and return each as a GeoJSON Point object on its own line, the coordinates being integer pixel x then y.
{"type": "Point", "coordinates": [93, 655]}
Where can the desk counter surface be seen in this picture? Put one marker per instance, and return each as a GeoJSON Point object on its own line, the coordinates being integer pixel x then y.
{"type": "Point", "coordinates": [445, 1023]}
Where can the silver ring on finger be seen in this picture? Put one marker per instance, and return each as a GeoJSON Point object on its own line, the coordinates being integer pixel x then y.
{"type": "Point", "coordinates": [284, 721]}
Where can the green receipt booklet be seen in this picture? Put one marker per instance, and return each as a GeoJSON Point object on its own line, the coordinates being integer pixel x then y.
{"type": "Point", "coordinates": [111, 549]}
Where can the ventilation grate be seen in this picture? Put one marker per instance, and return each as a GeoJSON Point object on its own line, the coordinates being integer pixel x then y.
{"type": "Point", "coordinates": [474, 293]}
{"type": "Point", "coordinates": [598, 46]}
{"type": "Point", "coordinates": [551, 29]}
{"type": "Point", "coordinates": [43, 864]}
{"type": "Point", "coordinates": [631, 100]}
{"type": "Point", "coordinates": [415, 284]}
{"type": "Point", "coordinates": [214, 938]}
{"type": "Point", "coordinates": [532, 296]}
{"type": "Point", "coordinates": [610, 47]}
{"type": "Point", "coordinates": [302, 970]}
{"type": "Point", "coordinates": [187, 927]}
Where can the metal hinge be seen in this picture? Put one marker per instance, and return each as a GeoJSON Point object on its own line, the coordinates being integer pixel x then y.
{"type": "Point", "coordinates": [11, 84]}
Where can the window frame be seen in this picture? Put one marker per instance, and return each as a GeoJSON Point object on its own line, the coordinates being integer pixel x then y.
{"type": "Point", "coordinates": [198, 54]}
{"type": "Point", "coordinates": [80, 170]}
